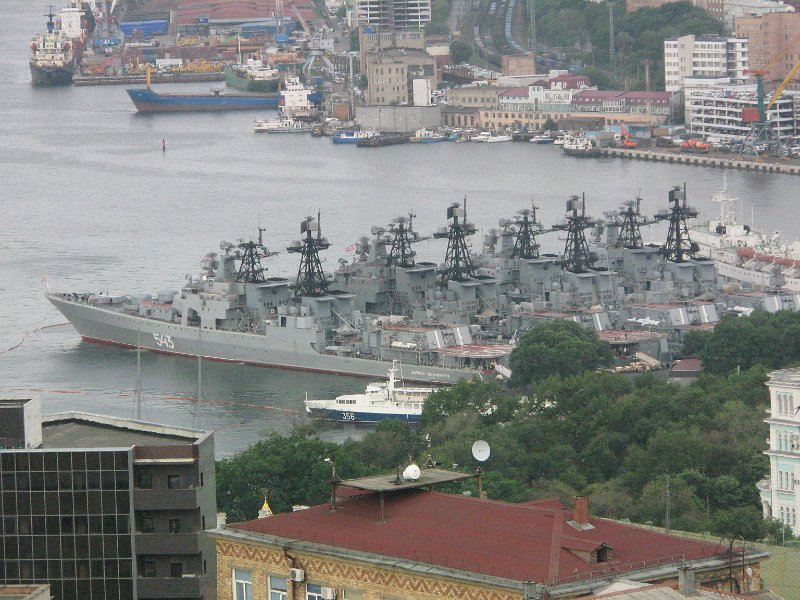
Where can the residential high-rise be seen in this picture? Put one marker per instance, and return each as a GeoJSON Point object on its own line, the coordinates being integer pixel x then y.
{"type": "Point", "coordinates": [773, 42]}
{"type": "Point", "coordinates": [103, 508]}
{"type": "Point", "coordinates": [704, 56]}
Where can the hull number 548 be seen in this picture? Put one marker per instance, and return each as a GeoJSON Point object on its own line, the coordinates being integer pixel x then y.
{"type": "Point", "coordinates": [164, 341]}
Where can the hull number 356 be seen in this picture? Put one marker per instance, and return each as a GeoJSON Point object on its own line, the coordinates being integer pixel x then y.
{"type": "Point", "coordinates": [164, 341]}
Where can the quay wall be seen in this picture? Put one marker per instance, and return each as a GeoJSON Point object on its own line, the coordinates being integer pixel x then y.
{"type": "Point", "coordinates": [703, 160]}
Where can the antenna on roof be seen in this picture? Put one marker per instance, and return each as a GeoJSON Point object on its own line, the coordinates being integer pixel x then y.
{"type": "Point", "coordinates": [480, 452]}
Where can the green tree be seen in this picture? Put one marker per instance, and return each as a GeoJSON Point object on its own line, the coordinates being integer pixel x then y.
{"type": "Point", "coordinates": [557, 348]}
{"type": "Point", "coordinates": [460, 52]}
{"type": "Point", "coordinates": [550, 125]}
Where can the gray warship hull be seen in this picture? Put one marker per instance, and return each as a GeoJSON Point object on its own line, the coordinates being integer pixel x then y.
{"type": "Point", "coordinates": [294, 349]}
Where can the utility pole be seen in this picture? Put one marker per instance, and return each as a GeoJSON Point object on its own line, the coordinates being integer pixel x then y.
{"type": "Point", "coordinates": [666, 517]}
{"type": "Point", "coordinates": [647, 62]}
{"type": "Point", "coordinates": [532, 16]}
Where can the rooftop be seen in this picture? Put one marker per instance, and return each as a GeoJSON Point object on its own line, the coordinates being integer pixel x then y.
{"type": "Point", "coordinates": [534, 541]}
{"type": "Point", "coordinates": [665, 592]}
{"type": "Point", "coordinates": [84, 430]}
{"type": "Point", "coordinates": [785, 377]}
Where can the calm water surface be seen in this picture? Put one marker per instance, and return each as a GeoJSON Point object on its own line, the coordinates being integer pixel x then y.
{"type": "Point", "coordinates": [89, 198]}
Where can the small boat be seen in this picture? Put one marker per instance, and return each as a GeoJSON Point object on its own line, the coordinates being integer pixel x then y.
{"type": "Point", "coordinates": [426, 136]}
{"type": "Point", "coordinates": [542, 139]}
{"type": "Point", "coordinates": [559, 139]}
{"type": "Point", "coordinates": [282, 125]}
{"type": "Point", "coordinates": [381, 400]}
{"type": "Point", "coordinates": [580, 146]}
{"type": "Point", "coordinates": [490, 138]}
{"type": "Point", "coordinates": [352, 137]}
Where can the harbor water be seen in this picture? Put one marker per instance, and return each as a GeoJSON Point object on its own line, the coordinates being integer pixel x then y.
{"type": "Point", "coordinates": [91, 202]}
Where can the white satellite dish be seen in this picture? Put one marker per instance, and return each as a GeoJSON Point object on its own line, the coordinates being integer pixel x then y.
{"type": "Point", "coordinates": [411, 473]}
{"type": "Point", "coordinates": [481, 450]}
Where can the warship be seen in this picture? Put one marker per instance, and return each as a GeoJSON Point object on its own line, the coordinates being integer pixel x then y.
{"type": "Point", "coordinates": [233, 312]}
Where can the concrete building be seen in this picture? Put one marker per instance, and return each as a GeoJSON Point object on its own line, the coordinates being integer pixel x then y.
{"type": "Point", "coordinates": [105, 508]}
{"type": "Point", "coordinates": [706, 56]}
{"type": "Point", "coordinates": [518, 65]}
{"type": "Point", "coordinates": [386, 15]}
{"type": "Point", "coordinates": [773, 41]}
{"type": "Point", "coordinates": [371, 41]}
{"type": "Point", "coordinates": [612, 101]}
{"type": "Point", "coordinates": [716, 113]}
{"type": "Point", "coordinates": [778, 496]}
{"type": "Point", "coordinates": [390, 75]}
{"type": "Point", "coordinates": [402, 119]}
{"type": "Point", "coordinates": [474, 96]}
{"type": "Point", "coordinates": [716, 8]}
{"type": "Point", "coordinates": [735, 9]}
{"type": "Point", "coordinates": [379, 539]}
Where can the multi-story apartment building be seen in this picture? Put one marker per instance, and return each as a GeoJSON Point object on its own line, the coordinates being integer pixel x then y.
{"type": "Point", "coordinates": [103, 508]}
{"type": "Point", "coordinates": [716, 113]}
{"type": "Point", "coordinates": [392, 14]}
{"type": "Point", "coordinates": [773, 41]}
{"type": "Point", "coordinates": [705, 56]}
{"type": "Point", "coordinates": [780, 494]}
{"type": "Point", "coordinates": [735, 9]}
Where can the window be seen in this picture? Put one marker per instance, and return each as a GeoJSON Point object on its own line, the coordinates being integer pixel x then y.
{"type": "Point", "coordinates": [147, 525]}
{"type": "Point", "coordinates": [148, 566]}
{"type": "Point", "coordinates": [242, 585]}
{"type": "Point", "coordinates": [173, 482]}
{"type": "Point", "coordinates": [174, 525]}
{"type": "Point", "coordinates": [277, 588]}
{"type": "Point", "coordinates": [176, 569]}
{"type": "Point", "coordinates": [146, 481]}
{"type": "Point", "coordinates": [313, 591]}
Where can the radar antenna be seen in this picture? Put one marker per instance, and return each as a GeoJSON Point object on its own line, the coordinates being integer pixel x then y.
{"type": "Point", "coordinates": [403, 235]}
{"type": "Point", "coordinates": [577, 257]}
{"type": "Point", "coordinates": [310, 278]}
{"type": "Point", "coordinates": [457, 262]}
{"type": "Point", "coordinates": [250, 255]}
{"type": "Point", "coordinates": [525, 245]}
{"type": "Point", "coordinates": [630, 235]}
{"type": "Point", "coordinates": [679, 246]}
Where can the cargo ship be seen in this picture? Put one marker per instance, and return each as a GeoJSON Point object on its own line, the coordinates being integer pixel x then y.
{"type": "Point", "coordinates": [52, 55]}
{"type": "Point", "coordinates": [148, 101]}
{"type": "Point", "coordinates": [253, 76]}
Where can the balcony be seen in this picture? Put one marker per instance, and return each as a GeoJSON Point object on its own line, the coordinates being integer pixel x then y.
{"type": "Point", "coordinates": [162, 499]}
{"type": "Point", "coordinates": [168, 587]}
{"type": "Point", "coordinates": [167, 543]}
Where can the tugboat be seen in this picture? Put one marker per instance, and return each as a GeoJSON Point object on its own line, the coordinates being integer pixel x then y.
{"type": "Point", "coordinates": [580, 146]}
{"type": "Point", "coordinates": [52, 59]}
{"type": "Point", "coordinates": [282, 124]}
{"type": "Point", "coordinates": [380, 401]}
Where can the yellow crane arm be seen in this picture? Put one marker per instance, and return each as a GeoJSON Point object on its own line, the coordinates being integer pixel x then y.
{"type": "Point", "coordinates": [783, 84]}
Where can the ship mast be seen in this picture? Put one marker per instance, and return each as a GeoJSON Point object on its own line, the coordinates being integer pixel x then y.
{"type": "Point", "coordinates": [403, 235]}
{"type": "Point", "coordinates": [630, 235]}
{"type": "Point", "coordinates": [525, 245]}
{"type": "Point", "coordinates": [250, 255]}
{"type": "Point", "coordinates": [310, 277]}
{"type": "Point", "coordinates": [457, 262]}
{"type": "Point", "coordinates": [577, 257]}
{"type": "Point", "coordinates": [679, 246]}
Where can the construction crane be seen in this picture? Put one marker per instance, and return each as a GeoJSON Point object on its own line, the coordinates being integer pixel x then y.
{"type": "Point", "coordinates": [627, 140]}
{"type": "Point", "coordinates": [784, 83]}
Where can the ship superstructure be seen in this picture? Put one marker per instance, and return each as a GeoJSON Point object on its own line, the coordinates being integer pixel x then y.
{"type": "Point", "coordinates": [52, 56]}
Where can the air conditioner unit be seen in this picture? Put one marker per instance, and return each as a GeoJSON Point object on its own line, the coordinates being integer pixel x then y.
{"type": "Point", "coordinates": [328, 593]}
{"type": "Point", "coordinates": [297, 575]}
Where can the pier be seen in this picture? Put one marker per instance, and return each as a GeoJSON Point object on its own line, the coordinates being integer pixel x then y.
{"type": "Point", "coordinates": [704, 160]}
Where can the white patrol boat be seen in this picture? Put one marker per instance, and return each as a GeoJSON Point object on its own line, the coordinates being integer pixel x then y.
{"type": "Point", "coordinates": [381, 400]}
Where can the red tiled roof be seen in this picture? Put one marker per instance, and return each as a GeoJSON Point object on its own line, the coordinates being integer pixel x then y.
{"type": "Point", "coordinates": [522, 542]}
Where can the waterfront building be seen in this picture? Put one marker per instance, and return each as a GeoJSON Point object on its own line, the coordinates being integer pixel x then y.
{"type": "Point", "coordinates": [778, 496]}
{"type": "Point", "coordinates": [614, 101]}
{"type": "Point", "coordinates": [387, 537]}
{"type": "Point", "coordinates": [402, 119]}
{"type": "Point", "coordinates": [103, 507]}
{"type": "Point", "coordinates": [716, 113]}
{"type": "Point", "coordinates": [474, 96]}
{"type": "Point", "coordinates": [770, 38]}
{"type": "Point", "coordinates": [736, 9]}
{"type": "Point", "coordinates": [392, 14]}
{"type": "Point", "coordinates": [390, 75]}
{"type": "Point", "coordinates": [706, 56]}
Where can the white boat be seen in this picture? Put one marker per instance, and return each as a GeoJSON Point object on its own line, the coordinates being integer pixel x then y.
{"type": "Point", "coordinates": [579, 146]}
{"type": "Point", "coordinates": [282, 125]}
{"type": "Point", "coordinates": [490, 138]}
{"type": "Point", "coordinates": [381, 400]}
{"type": "Point", "coordinates": [542, 139]}
{"type": "Point", "coordinates": [559, 139]}
{"type": "Point", "coordinates": [352, 137]}
{"type": "Point", "coordinates": [426, 136]}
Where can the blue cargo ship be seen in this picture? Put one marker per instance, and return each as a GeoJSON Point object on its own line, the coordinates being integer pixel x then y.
{"type": "Point", "coordinates": [147, 101]}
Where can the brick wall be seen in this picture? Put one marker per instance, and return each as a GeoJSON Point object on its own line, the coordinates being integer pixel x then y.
{"type": "Point", "coordinates": [351, 576]}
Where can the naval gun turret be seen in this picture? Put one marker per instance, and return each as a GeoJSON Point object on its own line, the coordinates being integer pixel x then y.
{"type": "Point", "coordinates": [577, 257]}
{"type": "Point", "coordinates": [311, 279]}
{"type": "Point", "coordinates": [457, 262]}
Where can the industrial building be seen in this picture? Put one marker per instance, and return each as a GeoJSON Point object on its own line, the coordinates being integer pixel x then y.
{"type": "Point", "coordinates": [390, 75]}
{"type": "Point", "coordinates": [105, 508]}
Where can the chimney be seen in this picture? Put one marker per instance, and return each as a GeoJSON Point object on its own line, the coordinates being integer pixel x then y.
{"type": "Point", "coordinates": [580, 510]}
{"type": "Point", "coordinates": [222, 519]}
{"type": "Point", "coordinates": [686, 585]}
